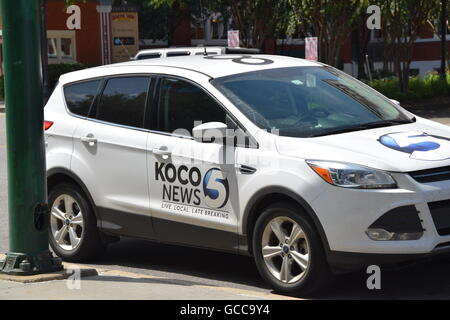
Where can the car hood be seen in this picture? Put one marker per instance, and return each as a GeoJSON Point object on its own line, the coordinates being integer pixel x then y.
{"type": "Point", "coordinates": [416, 146]}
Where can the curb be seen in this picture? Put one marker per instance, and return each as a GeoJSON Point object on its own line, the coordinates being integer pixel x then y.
{"type": "Point", "coordinates": [58, 275]}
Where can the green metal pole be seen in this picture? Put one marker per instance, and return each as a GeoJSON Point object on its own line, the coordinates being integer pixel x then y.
{"type": "Point", "coordinates": [28, 211]}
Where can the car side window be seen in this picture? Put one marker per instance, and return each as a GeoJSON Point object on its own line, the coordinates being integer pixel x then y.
{"type": "Point", "coordinates": [123, 101]}
{"type": "Point", "coordinates": [182, 103]}
{"type": "Point", "coordinates": [79, 96]}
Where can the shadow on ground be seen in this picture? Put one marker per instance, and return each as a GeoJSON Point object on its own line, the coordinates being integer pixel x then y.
{"type": "Point", "coordinates": [424, 280]}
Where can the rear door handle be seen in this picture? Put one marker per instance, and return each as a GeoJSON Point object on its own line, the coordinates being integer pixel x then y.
{"type": "Point", "coordinates": [90, 139]}
{"type": "Point", "coordinates": [162, 151]}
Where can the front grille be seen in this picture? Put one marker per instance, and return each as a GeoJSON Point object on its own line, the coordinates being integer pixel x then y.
{"type": "Point", "coordinates": [440, 212]}
{"type": "Point", "coordinates": [431, 175]}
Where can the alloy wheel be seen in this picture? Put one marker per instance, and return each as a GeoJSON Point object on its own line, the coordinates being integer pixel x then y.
{"type": "Point", "coordinates": [285, 249]}
{"type": "Point", "coordinates": [66, 222]}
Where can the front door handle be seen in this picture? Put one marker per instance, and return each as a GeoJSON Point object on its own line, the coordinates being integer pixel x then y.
{"type": "Point", "coordinates": [162, 151]}
{"type": "Point", "coordinates": [246, 169]}
{"type": "Point", "coordinates": [90, 139]}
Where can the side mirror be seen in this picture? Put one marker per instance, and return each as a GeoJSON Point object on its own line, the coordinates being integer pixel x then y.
{"type": "Point", "coordinates": [210, 132]}
{"type": "Point", "coordinates": [395, 101]}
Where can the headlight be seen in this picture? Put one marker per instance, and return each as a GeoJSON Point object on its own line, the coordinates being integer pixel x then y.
{"type": "Point", "coordinates": [350, 175]}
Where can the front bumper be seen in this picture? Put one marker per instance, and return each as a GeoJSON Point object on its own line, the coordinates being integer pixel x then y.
{"type": "Point", "coordinates": [346, 214]}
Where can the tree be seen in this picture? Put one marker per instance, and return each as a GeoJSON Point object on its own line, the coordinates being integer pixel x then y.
{"type": "Point", "coordinates": [332, 22]}
{"type": "Point", "coordinates": [256, 20]}
{"type": "Point", "coordinates": [402, 21]}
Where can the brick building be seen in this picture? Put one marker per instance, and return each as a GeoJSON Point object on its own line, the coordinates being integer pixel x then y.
{"type": "Point", "coordinates": [106, 34]}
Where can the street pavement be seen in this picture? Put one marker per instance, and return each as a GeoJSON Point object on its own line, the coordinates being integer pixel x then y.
{"type": "Point", "coordinates": [137, 269]}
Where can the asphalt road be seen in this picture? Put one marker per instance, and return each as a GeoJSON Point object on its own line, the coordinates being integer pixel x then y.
{"type": "Point", "coordinates": [420, 281]}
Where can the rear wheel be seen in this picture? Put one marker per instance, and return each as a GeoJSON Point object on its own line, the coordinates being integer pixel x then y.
{"type": "Point", "coordinates": [73, 231]}
{"type": "Point", "coordinates": [288, 251]}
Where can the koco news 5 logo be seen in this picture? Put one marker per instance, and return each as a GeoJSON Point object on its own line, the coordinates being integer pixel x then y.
{"type": "Point", "coordinates": [187, 185]}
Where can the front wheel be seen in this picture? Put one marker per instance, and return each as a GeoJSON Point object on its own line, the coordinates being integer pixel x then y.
{"type": "Point", "coordinates": [73, 232]}
{"type": "Point", "coordinates": [287, 250]}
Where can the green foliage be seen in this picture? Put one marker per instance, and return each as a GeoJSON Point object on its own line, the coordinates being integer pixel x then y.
{"type": "Point", "coordinates": [431, 86]}
{"type": "Point", "coordinates": [56, 70]}
{"type": "Point", "coordinates": [331, 21]}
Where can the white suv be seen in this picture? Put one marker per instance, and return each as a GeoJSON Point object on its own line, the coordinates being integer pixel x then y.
{"type": "Point", "coordinates": [293, 162]}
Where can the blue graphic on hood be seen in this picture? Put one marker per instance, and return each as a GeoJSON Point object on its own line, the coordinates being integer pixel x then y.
{"type": "Point", "coordinates": [390, 142]}
{"type": "Point", "coordinates": [419, 145]}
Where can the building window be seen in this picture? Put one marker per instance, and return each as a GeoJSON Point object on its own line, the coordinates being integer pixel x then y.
{"type": "Point", "coordinates": [66, 47]}
{"type": "Point", "coordinates": [61, 46]}
{"type": "Point", "coordinates": [51, 43]}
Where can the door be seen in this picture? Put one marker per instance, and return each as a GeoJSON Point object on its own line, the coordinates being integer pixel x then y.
{"type": "Point", "coordinates": [110, 156]}
{"type": "Point", "coordinates": [193, 191]}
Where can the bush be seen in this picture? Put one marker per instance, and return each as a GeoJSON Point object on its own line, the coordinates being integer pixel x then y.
{"type": "Point", "coordinates": [432, 86]}
{"type": "Point", "coordinates": [54, 72]}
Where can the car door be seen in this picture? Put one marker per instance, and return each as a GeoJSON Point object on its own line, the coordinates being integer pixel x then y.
{"type": "Point", "coordinates": [193, 191]}
{"type": "Point", "coordinates": [110, 156]}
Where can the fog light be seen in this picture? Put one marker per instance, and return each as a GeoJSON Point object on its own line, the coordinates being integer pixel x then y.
{"type": "Point", "coordinates": [379, 234]}
{"type": "Point", "coordinates": [384, 235]}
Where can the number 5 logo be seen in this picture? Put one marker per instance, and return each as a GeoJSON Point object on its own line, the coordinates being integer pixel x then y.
{"type": "Point", "coordinates": [215, 188]}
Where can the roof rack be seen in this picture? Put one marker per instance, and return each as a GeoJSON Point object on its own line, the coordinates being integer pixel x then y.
{"type": "Point", "coordinates": [230, 50]}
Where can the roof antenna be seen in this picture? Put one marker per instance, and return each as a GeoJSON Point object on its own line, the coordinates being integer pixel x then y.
{"type": "Point", "coordinates": [205, 53]}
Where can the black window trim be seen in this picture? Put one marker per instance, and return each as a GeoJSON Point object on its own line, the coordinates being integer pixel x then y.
{"type": "Point", "coordinates": [156, 111]}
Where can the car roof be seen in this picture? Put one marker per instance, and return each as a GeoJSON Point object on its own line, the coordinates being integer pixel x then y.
{"type": "Point", "coordinates": [213, 66]}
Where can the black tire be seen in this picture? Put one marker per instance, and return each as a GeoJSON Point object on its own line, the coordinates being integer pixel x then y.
{"type": "Point", "coordinates": [91, 243]}
{"type": "Point", "coordinates": [317, 274]}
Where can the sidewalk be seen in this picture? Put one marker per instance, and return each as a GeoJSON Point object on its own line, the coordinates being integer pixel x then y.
{"type": "Point", "coordinates": [115, 285]}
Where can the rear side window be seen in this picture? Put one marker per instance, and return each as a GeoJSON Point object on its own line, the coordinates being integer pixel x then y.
{"type": "Point", "coordinates": [79, 97]}
{"type": "Point", "coordinates": [123, 101]}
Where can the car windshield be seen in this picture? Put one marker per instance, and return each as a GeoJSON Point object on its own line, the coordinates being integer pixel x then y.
{"type": "Point", "coordinates": [308, 101]}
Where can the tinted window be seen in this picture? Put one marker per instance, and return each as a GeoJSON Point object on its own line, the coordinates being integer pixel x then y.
{"type": "Point", "coordinates": [182, 103]}
{"type": "Point", "coordinates": [79, 96]}
{"type": "Point", "coordinates": [123, 101]}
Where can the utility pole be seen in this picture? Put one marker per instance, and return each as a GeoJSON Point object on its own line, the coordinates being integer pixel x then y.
{"type": "Point", "coordinates": [443, 36]}
{"type": "Point", "coordinates": [28, 210]}
{"type": "Point", "coordinates": [44, 48]}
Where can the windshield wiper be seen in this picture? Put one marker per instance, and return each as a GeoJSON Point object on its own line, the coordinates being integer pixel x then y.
{"type": "Point", "coordinates": [365, 126]}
